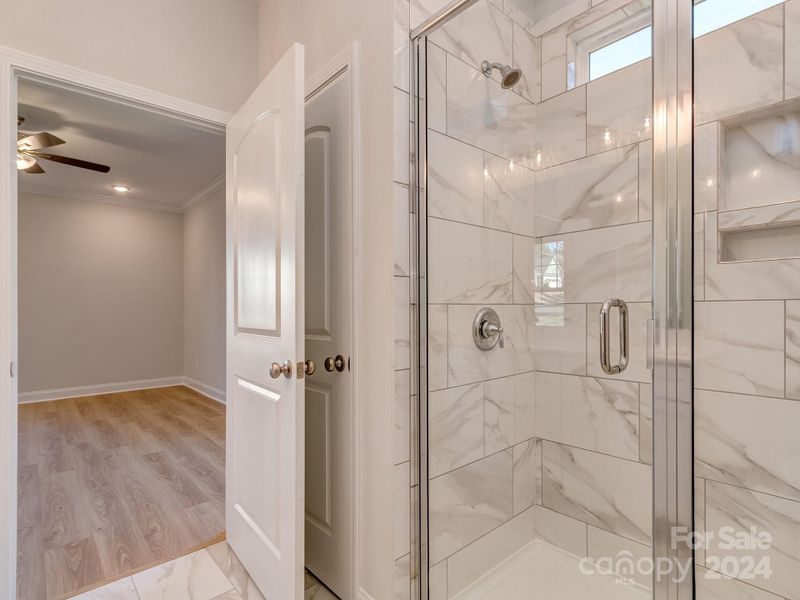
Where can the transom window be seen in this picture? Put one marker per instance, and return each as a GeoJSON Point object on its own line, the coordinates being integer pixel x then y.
{"type": "Point", "coordinates": [598, 52]}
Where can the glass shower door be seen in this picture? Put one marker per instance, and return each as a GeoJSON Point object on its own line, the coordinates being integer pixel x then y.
{"type": "Point", "coordinates": [536, 251]}
{"type": "Point", "coordinates": [747, 299]}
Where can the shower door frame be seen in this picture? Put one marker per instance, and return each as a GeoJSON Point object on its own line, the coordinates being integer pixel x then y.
{"type": "Point", "coordinates": [672, 290]}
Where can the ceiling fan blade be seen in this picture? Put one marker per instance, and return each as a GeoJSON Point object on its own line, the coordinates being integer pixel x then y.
{"type": "Point", "coordinates": [73, 162]}
{"type": "Point", "coordinates": [39, 140]}
{"type": "Point", "coordinates": [34, 169]}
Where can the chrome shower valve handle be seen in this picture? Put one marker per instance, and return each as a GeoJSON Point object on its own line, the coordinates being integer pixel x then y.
{"type": "Point", "coordinates": [487, 331]}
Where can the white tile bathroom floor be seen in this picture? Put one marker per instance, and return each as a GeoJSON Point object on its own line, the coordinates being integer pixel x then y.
{"type": "Point", "coordinates": [213, 573]}
{"type": "Point", "coordinates": [543, 572]}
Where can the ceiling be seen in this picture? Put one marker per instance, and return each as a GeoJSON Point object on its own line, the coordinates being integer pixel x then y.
{"type": "Point", "coordinates": [166, 162]}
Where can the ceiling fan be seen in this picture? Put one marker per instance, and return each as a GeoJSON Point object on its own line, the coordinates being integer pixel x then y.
{"type": "Point", "coordinates": [30, 151]}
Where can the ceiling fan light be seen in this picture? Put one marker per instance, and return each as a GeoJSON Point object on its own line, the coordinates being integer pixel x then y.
{"type": "Point", "coordinates": [120, 188]}
{"type": "Point", "coordinates": [24, 162]}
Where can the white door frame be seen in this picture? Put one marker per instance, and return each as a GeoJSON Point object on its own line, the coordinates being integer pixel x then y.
{"type": "Point", "coordinates": [15, 64]}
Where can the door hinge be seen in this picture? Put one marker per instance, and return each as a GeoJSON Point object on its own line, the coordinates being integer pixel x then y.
{"type": "Point", "coordinates": [650, 344]}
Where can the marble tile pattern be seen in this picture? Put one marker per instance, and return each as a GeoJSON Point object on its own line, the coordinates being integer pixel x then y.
{"type": "Point", "coordinates": [588, 413]}
{"type": "Point", "coordinates": [122, 589]}
{"type": "Point", "coordinates": [526, 55]}
{"type": "Point", "coordinates": [402, 415]}
{"type": "Point", "coordinates": [509, 411]}
{"type": "Point", "coordinates": [761, 161]}
{"type": "Point", "coordinates": [561, 338]}
{"type": "Point", "coordinates": [484, 32]}
{"type": "Point", "coordinates": [593, 192]}
{"type": "Point", "coordinates": [466, 363]}
{"type": "Point", "coordinates": [436, 88]}
{"type": "Point", "coordinates": [612, 262]}
{"type": "Point", "coordinates": [617, 119]}
{"type": "Point", "coordinates": [402, 132]}
{"type": "Point", "coordinates": [474, 561]}
{"type": "Point", "coordinates": [527, 475]}
{"type": "Point", "coordinates": [741, 510]}
{"type": "Point", "coordinates": [739, 347]}
{"type": "Point", "coordinates": [402, 230]}
{"type": "Point", "coordinates": [482, 114]}
{"type": "Point", "coordinates": [748, 441]}
{"type": "Point", "coordinates": [599, 490]}
{"type": "Point", "coordinates": [752, 280]}
{"type": "Point", "coordinates": [740, 67]}
{"type": "Point", "coordinates": [468, 264]}
{"type": "Point", "coordinates": [509, 193]}
{"type": "Point", "coordinates": [646, 423]}
{"type": "Point", "coordinates": [707, 166]}
{"type": "Point", "coordinates": [714, 586]}
{"type": "Point", "coordinates": [455, 427]}
{"type": "Point", "coordinates": [746, 378]}
{"type": "Point", "coordinates": [524, 283]}
{"type": "Point", "coordinates": [468, 503]}
{"type": "Point", "coordinates": [561, 531]}
{"type": "Point", "coordinates": [192, 577]}
{"type": "Point", "coordinates": [455, 180]}
{"type": "Point", "coordinates": [560, 132]}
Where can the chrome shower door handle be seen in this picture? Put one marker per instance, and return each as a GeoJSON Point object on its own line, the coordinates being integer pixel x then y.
{"type": "Point", "coordinates": [605, 337]}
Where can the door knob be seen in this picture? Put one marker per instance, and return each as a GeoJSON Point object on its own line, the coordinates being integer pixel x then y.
{"type": "Point", "coordinates": [309, 368]}
{"type": "Point", "coordinates": [276, 369]}
{"type": "Point", "coordinates": [332, 363]}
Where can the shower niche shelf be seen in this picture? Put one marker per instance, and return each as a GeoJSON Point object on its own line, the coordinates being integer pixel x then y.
{"type": "Point", "coordinates": [764, 233]}
{"type": "Point", "coordinates": [760, 158]}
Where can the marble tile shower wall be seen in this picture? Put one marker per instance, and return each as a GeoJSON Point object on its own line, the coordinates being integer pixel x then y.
{"type": "Point", "coordinates": [747, 312]}
{"type": "Point", "coordinates": [539, 202]}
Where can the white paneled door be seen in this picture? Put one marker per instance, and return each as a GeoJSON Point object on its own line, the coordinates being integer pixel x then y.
{"type": "Point", "coordinates": [265, 331]}
{"type": "Point", "coordinates": [329, 326]}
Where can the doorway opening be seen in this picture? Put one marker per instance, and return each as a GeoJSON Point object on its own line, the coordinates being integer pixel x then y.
{"type": "Point", "coordinates": [122, 360]}
{"type": "Point", "coordinates": [121, 275]}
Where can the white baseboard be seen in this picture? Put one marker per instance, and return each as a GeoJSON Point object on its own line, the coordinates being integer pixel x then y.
{"type": "Point", "coordinates": [206, 390]}
{"type": "Point", "coordinates": [93, 390]}
{"type": "Point", "coordinates": [123, 386]}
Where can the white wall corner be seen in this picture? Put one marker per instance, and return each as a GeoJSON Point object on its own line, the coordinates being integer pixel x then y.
{"type": "Point", "coordinates": [206, 390]}
{"type": "Point", "coordinates": [206, 192]}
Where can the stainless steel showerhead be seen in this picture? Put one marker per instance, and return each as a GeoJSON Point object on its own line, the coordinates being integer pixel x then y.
{"type": "Point", "coordinates": [509, 77]}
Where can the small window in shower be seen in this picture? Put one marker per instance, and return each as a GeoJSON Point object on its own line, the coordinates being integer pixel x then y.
{"type": "Point", "coordinates": [622, 53]}
{"type": "Point", "coordinates": [599, 49]}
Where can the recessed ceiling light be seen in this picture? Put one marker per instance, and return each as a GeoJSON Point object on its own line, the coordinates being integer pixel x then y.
{"type": "Point", "coordinates": [121, 188]}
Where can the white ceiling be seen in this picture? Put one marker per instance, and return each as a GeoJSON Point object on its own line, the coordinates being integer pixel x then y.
{"type": "Point", "coordinates": [166, 162]}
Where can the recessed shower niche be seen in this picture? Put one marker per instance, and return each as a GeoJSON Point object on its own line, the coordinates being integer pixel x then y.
{"type": "Point", "coordinates": [759, 216]}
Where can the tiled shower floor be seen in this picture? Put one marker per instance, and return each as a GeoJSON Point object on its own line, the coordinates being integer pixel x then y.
{"type": "Point", "coordinates": [543, 572]}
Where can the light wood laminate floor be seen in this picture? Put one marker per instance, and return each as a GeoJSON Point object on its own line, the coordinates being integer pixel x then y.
{"type": "Point", "coordinates": [113, 484]}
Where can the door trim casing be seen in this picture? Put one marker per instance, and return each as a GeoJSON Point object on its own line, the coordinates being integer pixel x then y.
{"type": "Point", "coordinates": [673, 450]}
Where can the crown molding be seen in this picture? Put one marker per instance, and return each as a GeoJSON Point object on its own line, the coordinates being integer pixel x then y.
{"type": "Point", "coordinates": [54, 191]}
{"type": "Point", "coordinates": [203, 194]}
